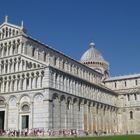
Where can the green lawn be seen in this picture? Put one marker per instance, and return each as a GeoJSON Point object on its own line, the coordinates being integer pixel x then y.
{"type": "Point", "coordinates": [131, 137]}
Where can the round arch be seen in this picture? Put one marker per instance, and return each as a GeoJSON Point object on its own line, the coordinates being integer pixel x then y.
{"type": "Point", "coordinates": [55, 96]}
{"type": "Point", "coordinates": [24, 95]}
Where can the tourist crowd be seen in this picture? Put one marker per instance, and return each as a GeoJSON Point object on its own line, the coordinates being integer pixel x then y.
{"type": "Point", "coordinates": [51, 133]}
{"type": "Point", "coordinates": [25, 132]}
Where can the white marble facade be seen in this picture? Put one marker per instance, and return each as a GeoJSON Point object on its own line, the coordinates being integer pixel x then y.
{"type": "Point", "coordinates": [42, 88]}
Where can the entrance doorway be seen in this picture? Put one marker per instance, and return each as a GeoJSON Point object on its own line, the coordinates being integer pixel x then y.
{"type": "Point", "coordinates": [2, 114]}
{"type": "Point", "coordinates": [25, 121]}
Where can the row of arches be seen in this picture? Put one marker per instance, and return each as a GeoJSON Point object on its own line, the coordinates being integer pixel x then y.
{"type": "Point", "coordinates": [8, 32]}
{"type": "Point", "coordinates": [10, 48]}
{"type": "Point", "coordinates": [16, 64]}
{"type": "Point", "coordinates": [79, 88]}
{"type": "Point", "coordinates": [23, 99]}
{"type": "Point", "coordinates": [39, 55]}
{"type": "Point", "coordinates": [132, 97]}
{"type": "Point", "coordinates": [26, 104]}
{"type": "Point", "coordinates": [61, 62]}
{"type": "Point", "coordinates": [129, 99]}
{"type": "Point", "coordinates": [77, 113]}
{"type": "Point", "coordinates": [75, 70]}
{"type": "Point", "coordinates": [26, 99]}
{"type": "Point", "coordinates": [16, 46]}
{"type": "Point", "coordinates": [20, 82]}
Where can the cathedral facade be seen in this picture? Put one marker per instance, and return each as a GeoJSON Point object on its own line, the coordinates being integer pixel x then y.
{"type": "Point", "coordinates": [41, 87]}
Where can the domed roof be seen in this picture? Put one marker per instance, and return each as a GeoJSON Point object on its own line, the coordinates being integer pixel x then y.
{"type": "Point", "coordinates": [92, 55]}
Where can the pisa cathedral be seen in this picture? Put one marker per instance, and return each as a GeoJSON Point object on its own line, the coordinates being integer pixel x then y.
{"type": "Point", "coordinates": [41, 87]}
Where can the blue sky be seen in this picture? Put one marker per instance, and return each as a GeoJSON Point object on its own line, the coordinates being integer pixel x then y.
{"type": "Point", "coordinates": [70, 25]}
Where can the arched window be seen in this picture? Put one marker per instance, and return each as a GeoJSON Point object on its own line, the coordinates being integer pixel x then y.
{"type": "Point", "coordinates": [33, 52]}
{"type": "Point", "coordinates": [41, 81]}
{"type": "Point", "coordinates": [136, 82]}
{"type": "Point", "coordinates": [13, 84]}
{"type": "Point", "coordinates": [14, 67]}
{"type": "Point", "coordinates": [6, 32]}
{"type": "Point", "coordinates": [45, 56]}
{"type": "Point", "coordinates": [6, 68]}
{"type": "Point", "coordinates": [16, 32]}
{"type": "Point", "coordinates": [13, 32]}
{"type": "Point", "coordinates": [36, 82]}
{"type": "Point", "coordinates": [131, 115]}
{"type": "Point", "coordinates": [54, 61]}
{"type": "Point", "coordinates": [27, 83]}
{"type": "Point", "coordinates": [2, 68]}
{"type": "Point", "coordinates": [18, 84]}
{"type": "Point", "coordinates": [31, 82]}
{"type": "Point", "coordinates": [9, 85]}
{"type": "Point", "coordinates": [135, 95]}
{"type": "Point", "coordinates": [5, 86]}
{"type": "Point", "coordinates": [5, 50]}
{"type": "Point", "coordinates": [34, 65]}
{"type": "Point", "coordinates": [13, 50]}
{"type": "Point", "coordinates": [10, 65]}
{"type": "Point", "coordinates": [3, 32]}
{"type": "Point", "coordinates": [115, 84]}
{"type": "Point", "coordinates": [125, 83]}
{"type": "Point", "coordinates": [9, 32]}
{"type": "Point", "coordinates": [128, 97]}
{"type": "Point", "coordinates": [68, 104]}
{"type": "Point", "coordinates": [21, 86]}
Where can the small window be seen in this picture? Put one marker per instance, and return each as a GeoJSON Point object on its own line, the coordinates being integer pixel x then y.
{"type": "Point", "coordinates": [135, 95]}
{"type": "Point", "coordinates": [128, 97]}
{"type": "Point", "coordinates": [136, 82]}
{"type": "Point", "coordinates": [13, 51]}
{"type": "Point", "coordinates": [21, 86]}
{"type": "Point", "coordinates": [55, 61]}
{"type": "Point", "coordinates": [115, 84]}
{"type": "Point", "coordinates": [27, 83]}
{"type": "Point", "coordinates": [79, 107]}
{"type": "Point", "coordinates": [45, 56]}
{"type": "Point", "coordinates": [131, 115]}
{"type": "Point", "coordinates": [68, 105]}
{"type": "Point", "coordinates": [5, 50]}
{"type": "Point", "coordinates": [36, 82]}
{"type": "Point", "coordinates": [6, 32]}
{"type": "Point", "coordinates": [33, 52]}
{"type": "Point", "coordinates": [13, 85]}
{"type": "Point", "coordinates": [14, 67]}
{"type": "Point", "coordinates": [6, 68]}
{"type": "Point", "coordinates": [125, 83]}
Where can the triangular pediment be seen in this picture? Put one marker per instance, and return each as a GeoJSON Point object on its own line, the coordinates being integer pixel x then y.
{"type": "Point", "coordinates": [9, 25]}
{"type": "Point", "coordinates": [8, 30]}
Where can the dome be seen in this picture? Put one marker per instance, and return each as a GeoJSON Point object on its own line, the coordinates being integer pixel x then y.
{"type": "Point", "coordinates": [94, 59]}
{"type": "Point", "coordinates": [92, 55]}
